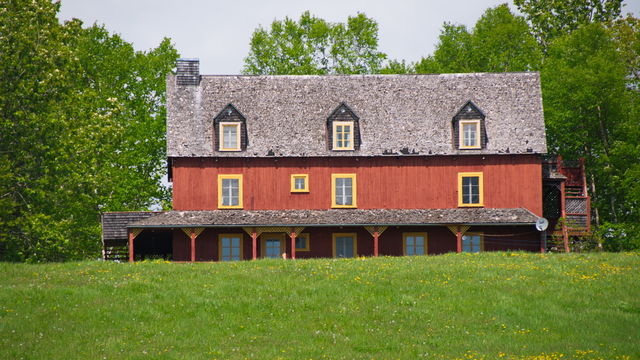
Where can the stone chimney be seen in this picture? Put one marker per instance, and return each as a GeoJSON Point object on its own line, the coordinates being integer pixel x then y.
{"type": "Point", "coordinates": [188, 72]}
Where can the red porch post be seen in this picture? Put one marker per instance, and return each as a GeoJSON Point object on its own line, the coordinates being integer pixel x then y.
{"type": "Point", "coordinates": [293, 244]}
{"type": "Point", "coordinates": [375, 241]}
{"type": "Point", "coordinates": [458, 240]}
{"type": "Point", "coordinates": [254, 244]}
{"type": "Point", "coordinates": [193, 245]}
{"type": "Point", "coordinates": [543, 242]}
{"type": "Point", "coordinates": [131, 237]}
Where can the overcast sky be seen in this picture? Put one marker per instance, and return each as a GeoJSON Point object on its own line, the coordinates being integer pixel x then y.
{"type": "Point", "coordinates": [218, 31]}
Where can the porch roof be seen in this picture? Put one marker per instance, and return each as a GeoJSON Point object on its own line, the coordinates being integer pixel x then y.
{"type": "Point", "coordinates": [341, 217]}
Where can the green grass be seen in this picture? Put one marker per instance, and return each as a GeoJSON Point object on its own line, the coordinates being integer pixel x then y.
{"type": "Point", "coordinates": [482, 306]}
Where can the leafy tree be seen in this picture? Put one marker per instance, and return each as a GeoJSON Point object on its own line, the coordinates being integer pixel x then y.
{"type": "Point", "coordinates": [397, 67]}
{"type": "Point", "coordinates": [500, 41]}
{"type": "Point", "coordinates": [314, 46]}
{"type": "Point", "coordinates": [81, 131]}
{"type": "Point", "coordinates": [591, 112]}
{"type": "Point", "coordinates": [551, 19]}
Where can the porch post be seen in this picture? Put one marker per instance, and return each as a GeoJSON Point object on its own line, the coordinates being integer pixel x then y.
{"type": "Point", "coordinates": [563, 210]}
{"type": "Point", "coordinates": [543, 242]}
{"type": "Point", "coordinates": [458, 240]}
{"type": "Point", "coordinates": [254, 244]}
{"type": "Point", "coordinates": [375, 241]}
{"type": "Point", "coordinates": [131, 237]}
{"type": "Point", "coordinates": [293, 244]}
{"type": "Point", "coordinates": [193, 245]}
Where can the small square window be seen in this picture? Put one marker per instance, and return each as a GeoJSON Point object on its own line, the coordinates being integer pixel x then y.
{"type": "Point", "coordinates": [300, 183]}
{"type": "Point", "coordinates": [342, 135]}
{"type": "Point", "coordinates": [469, 134]}
{"type": "Point", "coordinates": [302, 242]}
{"type": "Point", "coordinates": [229, 136]}
{"type": "Point", "coordinates": [470, 189]}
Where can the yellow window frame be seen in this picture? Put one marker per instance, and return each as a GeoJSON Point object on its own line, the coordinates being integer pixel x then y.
{"type": "Point", "coordinates": [308, 246]}
{"type": "Point", "coordinates": [476, 233]}
{"type": "Point", "coordinates": [263, 243]}
{"type": "Point", "coordinates": [229, 124]}
{"type": "Point", "coordinates": [348, 124]}
{"type": "Point", "coordinates": [414, 234]}
{"type": "Point", "coordinates": [294, 177]}
{"type": "Point", "coordinates": [480, 176]}
{"type": "Point", "coordinates": [240, 190]}
{"type": "Point", "coordinates": [461, 125]}
{"type": "Point", "coordinates": [355, 242]}
{"type": "Point", "coordinates": [238, 235]}
{"type": "Point", "coordinates": [354, 192]}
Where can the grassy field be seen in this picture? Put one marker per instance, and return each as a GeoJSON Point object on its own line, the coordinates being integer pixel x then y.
{"type": "Point", "coordinates": [468, 306]}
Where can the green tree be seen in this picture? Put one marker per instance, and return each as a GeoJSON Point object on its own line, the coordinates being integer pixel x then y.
{"type": "Point", "coordinates": [551, 19]}
{"type": "Point", "coordinates": [591, 112]}
{"type": "Point", "coordinates": [81, 130]}
{"type": "Point", "coordinates": [313, 46]}
{"type": "Point", "coordinates": [499, 41]}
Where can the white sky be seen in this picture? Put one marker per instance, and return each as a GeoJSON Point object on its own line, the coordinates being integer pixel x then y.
{"type": "Point", "coordinates": [218, 31]}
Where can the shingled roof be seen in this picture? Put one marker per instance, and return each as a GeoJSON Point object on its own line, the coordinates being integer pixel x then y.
{"type": "Point", "coordinates": [287, 115]}
{"type": "Point", "coordinates": [114, 224]}
{"type": "Point", "coordinates": [358, 217]}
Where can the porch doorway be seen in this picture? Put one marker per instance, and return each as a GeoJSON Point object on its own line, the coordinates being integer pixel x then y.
{"type": "Point", "coordinates": [272, 245]}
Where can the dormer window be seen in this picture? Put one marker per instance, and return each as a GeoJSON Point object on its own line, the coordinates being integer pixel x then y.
{"type": "Point", "coordinates": [343, 135]}
{"type": "Point", "coordinates": [343, 130]}
{"type": "Point", "coordinates": [230, 130]}
{"type": "Point", "coordinates": [470, 134]}
{"type": "Point", "coordinates": [230, 136]}
{"type": "Point", "coordinates": [468, 128]}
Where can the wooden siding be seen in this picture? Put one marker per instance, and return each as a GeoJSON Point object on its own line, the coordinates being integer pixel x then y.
{"type": "Point", "coordinates": [510, 181]}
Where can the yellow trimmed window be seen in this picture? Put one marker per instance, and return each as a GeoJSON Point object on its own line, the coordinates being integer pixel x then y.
{"type": "Point", "coordinates": [302, 242]}
{"type": "Point", "coordinates": [469, 134]}
{"type": "Point", "coordinates": [343, 191]}
{"type": "Point", "coordinates": [230, 191]}
{"type": "Point", "coordinates": [300, 183]}
{"type": "Point", "coordinates": [472, 242]}
{"type": "Point", "coordinates": [230, 247]}
{"type": "Point", "coordinates": [345, 245]}
{"type": "Point", "coordinates": [470, 191]}
{"type": "Point", "coordinates": [342, 135]}
{"type": "Point", "coordinates": [414, 243]}
{"type": "Point", "coordinates": [272, 245]}
{"type": "Point", "coordinates": [229, 136]}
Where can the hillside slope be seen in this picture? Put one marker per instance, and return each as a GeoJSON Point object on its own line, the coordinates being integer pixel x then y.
{"type": "Point", "coordinates": [467, 306]}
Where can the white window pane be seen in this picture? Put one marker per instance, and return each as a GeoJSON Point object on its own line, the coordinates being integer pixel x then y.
{"type": "Point", "coordinates": [230, 136]}
{"type": "Point", "coordinates": [410, 241]}
{"type": "Point", "coordinates": [419, 250]}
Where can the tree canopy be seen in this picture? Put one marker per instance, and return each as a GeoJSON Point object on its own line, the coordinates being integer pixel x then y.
{"type": "Point", "coordinates": [500, 41]}
{"type": "Point", "coordinates": [81, 131]}
{"type": "Point", "coordinates": [314, 46]}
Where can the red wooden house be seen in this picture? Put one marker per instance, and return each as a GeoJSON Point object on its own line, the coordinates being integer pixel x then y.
{"type": "Point", "coordinates": [344, 166]}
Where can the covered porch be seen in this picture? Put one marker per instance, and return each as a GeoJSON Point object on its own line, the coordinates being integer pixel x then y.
{"type": "Point", "coordinates": [223, 235]}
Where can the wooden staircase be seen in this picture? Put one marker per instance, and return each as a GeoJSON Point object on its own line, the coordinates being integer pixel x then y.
{"type": "Point", "coordinates": [566, 203]}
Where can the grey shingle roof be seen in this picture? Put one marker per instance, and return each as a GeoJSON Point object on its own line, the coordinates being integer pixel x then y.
{"type": "Point", "coordinates": [220, 218]}
{"type": "Point", "coordinates": [287, 114]}
{"type": "Point", "coordinates": [114, 224]}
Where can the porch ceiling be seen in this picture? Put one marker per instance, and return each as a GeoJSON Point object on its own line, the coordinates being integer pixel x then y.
{"type": "Point", "coordinates": [341, 217]}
